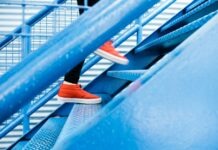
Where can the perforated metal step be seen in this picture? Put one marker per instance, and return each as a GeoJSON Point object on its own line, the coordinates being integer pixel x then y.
{"type": "Point", "coordinates": [203, 8]}
{"type": "Point", "coordinates": [78, 116]}
{"type": "Point", "coordinates": [177, 36]}
{"type": "Point", "coordinates": [130, 75]}
{"type": "Point", "coordinates": [45, 138]}
{"type": "Point", "coordinates": [194, 4]}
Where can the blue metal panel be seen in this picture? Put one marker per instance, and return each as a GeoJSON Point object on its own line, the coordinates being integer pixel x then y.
{"type": "Point", "coordinates": [46, 137]}
{"type": "Point", "coordinates": [176, 109]}
{"type": "Point", "coordinates": [174, 38]}
{"type": "Point", "coordinates": [130, 75]}
{"type": "Point", "coordinates": [63, 48]}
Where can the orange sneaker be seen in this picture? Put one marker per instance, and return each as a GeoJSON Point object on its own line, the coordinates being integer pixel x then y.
{"type": "Point", "coordinates": [73, 93]}
{"type": "Point", "coordinates": [108, 51]}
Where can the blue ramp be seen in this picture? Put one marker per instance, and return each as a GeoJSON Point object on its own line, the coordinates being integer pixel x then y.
{"type": "Point", "coordinates": [176, 109]}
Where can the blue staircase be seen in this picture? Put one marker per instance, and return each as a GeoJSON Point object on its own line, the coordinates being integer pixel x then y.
{"type": "Point", "coordinates": [165, 98]}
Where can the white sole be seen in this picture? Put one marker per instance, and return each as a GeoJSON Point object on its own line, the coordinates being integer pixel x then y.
{"type": "Point", "coordinates": [79, 100]}
{"type": "Point", "coordinates": [111, 57]}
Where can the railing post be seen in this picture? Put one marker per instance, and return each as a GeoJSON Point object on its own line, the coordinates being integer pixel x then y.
{"type": "Point", "coordinates": [26, 47]}
{"type": "Point", "coordinates": [140, 30]}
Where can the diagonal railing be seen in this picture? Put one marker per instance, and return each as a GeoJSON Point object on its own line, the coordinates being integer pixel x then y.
{"type": "Point", "coordinates": [133, 29]}
{"type": "Point", "coordinates": [30, 35]}
{"type": "Point", "coordinates": [57, 55]}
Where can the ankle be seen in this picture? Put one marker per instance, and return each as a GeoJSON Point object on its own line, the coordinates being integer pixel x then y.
{"type": "Point", "coordinates": [68, 83]}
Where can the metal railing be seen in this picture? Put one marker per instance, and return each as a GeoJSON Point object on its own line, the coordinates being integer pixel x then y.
{"type": "Point", "coordinates": [26, 36]}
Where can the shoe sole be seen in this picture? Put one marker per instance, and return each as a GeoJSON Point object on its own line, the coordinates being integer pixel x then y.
{"type": "Point", "coordinates": [111, 57]}
{"type": "Point", "coordinates": [79, 100]}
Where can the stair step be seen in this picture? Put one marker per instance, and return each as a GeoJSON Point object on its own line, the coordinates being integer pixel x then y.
{"type": "Point", "coordinates": [177, 36]}
{"type": "Point", "coordinates": [80, 114]}
{"type": "Point", "coordinates": [185, 18]}
{"type": "Point", "coordinates": [130, 75]}
{"type": "Point", "coordinates": [47, 135]}
{"type": "Point", "coordinates": [195, 4]}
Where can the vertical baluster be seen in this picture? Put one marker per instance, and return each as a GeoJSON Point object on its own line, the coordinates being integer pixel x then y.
{"type": "Point", "coordinates": [140, 29]}
{"type": "Point", "coordinates": [26, 46]}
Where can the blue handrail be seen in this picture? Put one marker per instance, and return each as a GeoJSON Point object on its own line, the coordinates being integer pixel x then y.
{"type": "Point", "coordinates": [87, 66]}
{"type": "Point", "coordinates": [51, 57]}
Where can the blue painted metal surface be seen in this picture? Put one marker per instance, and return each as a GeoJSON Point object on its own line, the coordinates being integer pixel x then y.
{"type": "Point", "coordinates": [143, 60]}
{"type": "Point", "coordinates": [88, 65]}
{"type": "Point", "coordinates": [130, 75]}
{"type": "Point", "coordinates": [176, 109]}
{"type": "Point", "coordinates": [177, 36]}
{"type": "Point", "coordinates": [203, 9]}
{"type": "Point", "coordinates": [47, 135]}
{"type": "Point", "coordinates": [26, 48]}
{"type": "Point", "coordinates": [51, 57]}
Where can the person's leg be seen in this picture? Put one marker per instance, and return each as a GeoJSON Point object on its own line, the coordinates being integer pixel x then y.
{"type": "Point", "coordinates": [107, 50]}
{"type": "Point", "coordinates": [70, 91]}
{"type": "Point", "coordinates": [73, 75]}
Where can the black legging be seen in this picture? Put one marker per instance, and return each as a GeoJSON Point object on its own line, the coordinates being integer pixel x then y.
{"type": "Point", "coordinates": [73, 75]}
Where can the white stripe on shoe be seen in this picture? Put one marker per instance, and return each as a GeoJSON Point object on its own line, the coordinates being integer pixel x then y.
{"type": "Point", "coordinates": [80, 100]}
{"type": "Point", "coordinates": [111, 57]}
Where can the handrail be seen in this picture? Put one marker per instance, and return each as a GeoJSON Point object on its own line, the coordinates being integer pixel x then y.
{"type": "Point", "coordinates": [33, 20]}
{"type": "Point", "coordinates": [54, 57]}
{"type": "Point", "coordinates": [87, 66]}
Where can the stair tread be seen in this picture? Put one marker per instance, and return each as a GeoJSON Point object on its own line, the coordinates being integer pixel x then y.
{"type": "Point", "coordinates": [47, 135]}
{"type": "Point", "coordinates": [80, 114]}
{"type": "Point", "coordinates": [195, 4]}
{"type": "Point", "coordinates": [187, 15]}
{"type": "Point", "coordinates": [130, 75]}
{"type": "Point", "coordinates": [181, 32]}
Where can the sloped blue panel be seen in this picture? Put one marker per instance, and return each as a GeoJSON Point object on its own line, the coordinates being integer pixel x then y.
{"type": "Point", "coordinates": [175, 109]}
